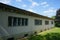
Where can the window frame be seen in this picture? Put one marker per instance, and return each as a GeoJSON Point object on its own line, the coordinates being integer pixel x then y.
{"type": "Point", "coordinates": [46, 22]}
{"type": "Point", "coordinates": [52, 22]}
{"type": "Point", "coordinates": [38, 22]}
{"type": "Point", "coordinates": [15, 21]}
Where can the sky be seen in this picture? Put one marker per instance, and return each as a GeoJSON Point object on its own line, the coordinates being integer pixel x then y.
{"type": "Point", "coordinates": [42, 7]}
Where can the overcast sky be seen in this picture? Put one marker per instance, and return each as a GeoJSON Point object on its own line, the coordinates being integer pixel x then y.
{"type": "Point", "coordinates": [42, 7]}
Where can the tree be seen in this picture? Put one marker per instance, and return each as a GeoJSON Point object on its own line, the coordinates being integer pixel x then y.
{"type": "Point", "coordinates": [53, 17]}
{"type": "Point", "coordinates": [57, 20]}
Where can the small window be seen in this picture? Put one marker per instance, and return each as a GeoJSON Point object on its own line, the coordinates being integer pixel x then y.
{"type": "Point", "coordinates": [14, 21]}
{"type": "Point", "coordinates": [51, 22]}
{"type": "Point", "coordinates": [26, 22]}
{"type": "Point", "coordinates": [38, 22]}
{"type": "Point", "coordinates": [23, 22]}
{"type": "Point", "coordinates": [19, 21]}
{"type": "Point", "coordinates": [9, 21]}
{"type": "Point", "coordinates": [46, 22]}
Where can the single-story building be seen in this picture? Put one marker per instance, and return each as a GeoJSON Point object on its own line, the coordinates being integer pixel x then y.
{"type": "Point", "coordinates": [15, 22]}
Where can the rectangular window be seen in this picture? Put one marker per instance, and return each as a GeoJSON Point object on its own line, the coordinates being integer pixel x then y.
{"type": "Point", "coordinates": [38, 22]}
{"type": "Point", "coordinates": [26, 22]}
{"type": "Point", "coordinates": [23, 22]}
{"type": "Point", "coordinates": [51, 22]}
{"type": "Point", "coordinates": [16, 21]}
{"type": "Point", "coordinates": [19, 21]}
{"type": "Point", "coordinates": [9, 21]}
{"type": "Point", "coordinates": [46, 22]}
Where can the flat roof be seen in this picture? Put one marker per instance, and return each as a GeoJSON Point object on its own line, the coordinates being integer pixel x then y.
{"type": "Point", "coordinates": [10, 8]}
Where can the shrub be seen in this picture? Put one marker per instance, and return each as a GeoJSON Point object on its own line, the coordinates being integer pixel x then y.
{"type": "Point", "coordinates": [1, 38]}
{"type": "Point", "coordinates": [49, 36]}
{"type": "Point", "coordinates": [52, 36]}
{"type": "Point", "coordinates": [35, 37]}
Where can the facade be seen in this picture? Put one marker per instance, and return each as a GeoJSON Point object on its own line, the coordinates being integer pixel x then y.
{"type": "Point", "coordinates": [57, 20]}
{"type": "Point", "coordinates": [15, 22]}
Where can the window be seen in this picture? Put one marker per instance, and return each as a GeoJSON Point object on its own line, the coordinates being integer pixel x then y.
{"type": "Point", "coordinates": [15, 21]}
{"type": "Point", "coordinates": [38, 22]}
{"type": "Point", "coordinates": [23, 21]}
{"type": "Point", "coordinates": [51, 22]}
{"type": "Point", "coordinates": [26, 21]}
{"type": "Point", "coordinates": [9, 21]}
{"type": "Point", "coordinates": [46, 22]}
{"type": "Point", "coordinates": [19, 21]}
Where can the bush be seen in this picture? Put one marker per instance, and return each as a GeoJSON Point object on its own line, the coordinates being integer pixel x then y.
{"type": "Point", "coordinates": [1, 38]}
{"type": "Point", "coordinates": [36, 37]}
{"type": "Point", "coordinates": [49, 36]}
{"type": "Point", "coordinates": [52, 36]}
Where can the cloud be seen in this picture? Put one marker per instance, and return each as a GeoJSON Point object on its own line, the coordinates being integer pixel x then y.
{"type": "Point", "coordinates": [34, 4]}
{"type": "Point", "coordinates": [44, 4]}
{"type": "Point", "coordinates": [30, 10]}
{"type": "Point", "coordinates": [24, 5]}
{"type": "Point", "coordinates": [31, 0]}
{"type": "Point", "coordinates": [6, 1]}
{"type": "Point", "coordinates": [50, 11]}
{"type": "Point", "coordinates": [18, 0]}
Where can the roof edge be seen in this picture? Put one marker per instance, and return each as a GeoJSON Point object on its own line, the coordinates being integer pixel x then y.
{"type": "Point", "coordinates": [18, 10]}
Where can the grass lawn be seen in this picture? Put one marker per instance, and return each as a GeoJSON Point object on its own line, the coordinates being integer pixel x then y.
{"type": "Point", "coordinates": [52, 34]}
{"type": "Point", "coordinates": [53, 30]}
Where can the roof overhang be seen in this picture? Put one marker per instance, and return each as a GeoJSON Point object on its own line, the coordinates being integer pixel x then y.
{"type": "Point", "coordinates": [9, 8]}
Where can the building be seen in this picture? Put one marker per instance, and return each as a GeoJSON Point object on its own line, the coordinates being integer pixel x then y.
{"type": "Point", "coordinates": [57, 20]}
{"type": "Point", "coordinates": [15, 22]}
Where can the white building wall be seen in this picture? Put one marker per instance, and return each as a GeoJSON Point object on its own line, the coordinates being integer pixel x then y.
{"type": "Point", "coordinates": [22, 29]}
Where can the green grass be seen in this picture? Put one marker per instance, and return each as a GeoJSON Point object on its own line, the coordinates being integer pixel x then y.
{"type": "Point", "coordinates": [52, 34]}
{"type": "Point", "coordinates": [53, 30]}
